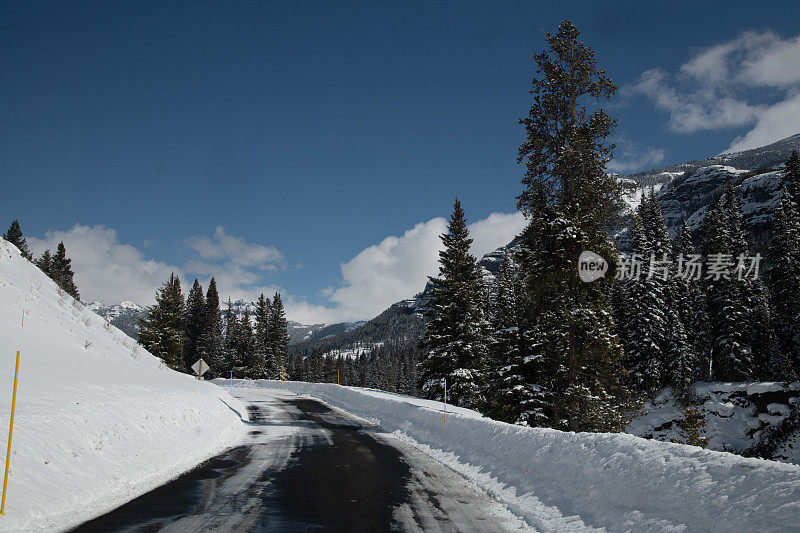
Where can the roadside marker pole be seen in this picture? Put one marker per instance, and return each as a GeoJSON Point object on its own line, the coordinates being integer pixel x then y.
{"type": "Point", "coordinates": [231, 382]}
{"type": "Point", "coordinates": [445, 401]}
{"type": "Point", "coordinates": [339, 384]}
{"type": "Point", "coordinates": [10, 430]}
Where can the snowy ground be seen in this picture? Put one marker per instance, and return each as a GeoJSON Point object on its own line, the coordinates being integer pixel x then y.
{"type": "Point", "coordinates": [98, 420]}
{"type": "Point", "coordinates": [560, 481]}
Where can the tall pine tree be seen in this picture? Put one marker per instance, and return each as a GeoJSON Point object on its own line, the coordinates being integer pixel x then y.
{"type": "Point", "coordinates": [193, 325]}
{"type": "Point", "coordinates": [161, 331]}
{"type": "Point", "coordinates": [61, 271]}
{"type": "Point", "coordinates": [784, 276]}
{"type": "Point", "coordinates": [279, 336]}
{"type": "Point", "coordinates": [573, 355]}
{"type": "Point", "coordinates": [211, 344]}
{"type": "Point", "coordinates": [456, 336]}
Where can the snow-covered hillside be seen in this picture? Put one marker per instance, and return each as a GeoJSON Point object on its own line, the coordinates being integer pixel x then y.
{"type": "Point", "coordinates": [561, 481]}
{"type": "Point", "coordinates": [98, 420]}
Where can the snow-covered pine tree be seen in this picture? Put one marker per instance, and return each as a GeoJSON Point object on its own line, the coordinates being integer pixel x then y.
{"type": "Point", "coordinates": [455, 339]}
{"type": "Point", "coordinates": [645, 309]}
{"type": "Point", "coordinates": [279, 334]}
{"type": "Point", "coordinates": [211, 343]}
{"type": "Point", "coordinates": [193, 325]}
{"type": "Point", "coordinates": [264, 363]}
{"type": "Point", "coordinates": [15, 237]}
{"type": "Point", "coordinates": [572, 351]}
{"type": "Point", "coordinates": [690, 307]}
{"type": "Point", "coordinates": [784, 282]}
{"type": "Point", "coordinates": [62, 274]}
{"type": "Point", "coordinates": [738, 311]}
{"type": "Point", "coordinates": [161, 331]}
{"type": "Point", "coordinates": [506, 391]}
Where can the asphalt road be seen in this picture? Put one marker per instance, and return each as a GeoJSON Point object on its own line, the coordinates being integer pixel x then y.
{"type": "Point", "coordinates": [305, 467]}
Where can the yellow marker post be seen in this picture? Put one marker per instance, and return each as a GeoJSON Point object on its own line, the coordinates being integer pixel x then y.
{"type": "Point", "coordinates": [445, 401]}
{"type": "Point", "coordinates": [10, 431]}
{"type": "Point", "coordinates": [339, 384]}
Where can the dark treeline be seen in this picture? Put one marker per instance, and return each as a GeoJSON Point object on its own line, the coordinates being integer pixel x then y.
{"type": "Point", "coordinates": [389, 368]}
{"type": "Point", "coordinates": [182, 331]}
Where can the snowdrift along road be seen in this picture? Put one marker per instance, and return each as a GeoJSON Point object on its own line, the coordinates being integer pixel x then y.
{"type": "Point", "coordinates": [561, 481]}
{"type": "Point", "coordinates": [98, 419]}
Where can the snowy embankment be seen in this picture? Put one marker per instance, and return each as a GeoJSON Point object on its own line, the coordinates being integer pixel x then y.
{"type": "Point", "coordinates": [98, 419]}
{"type": "Point", "coordinates": [560, 481]}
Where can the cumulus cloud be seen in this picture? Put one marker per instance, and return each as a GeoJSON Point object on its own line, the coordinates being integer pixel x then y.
{"type": "Point", "coordinates": [399, 266]}
{"type": "Point", "coordinates": [751, 80]}
{"type": "Point", "coordinates": [107, 270]}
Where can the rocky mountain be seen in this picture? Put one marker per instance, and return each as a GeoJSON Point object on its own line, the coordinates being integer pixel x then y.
{"type": "Point", "coordinates": [690, 187]}
{"type": "Point", "coordinates": [124, 315]}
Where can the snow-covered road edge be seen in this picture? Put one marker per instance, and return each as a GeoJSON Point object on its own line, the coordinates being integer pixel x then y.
{"type": "Point", "coordinates": [563, 481]}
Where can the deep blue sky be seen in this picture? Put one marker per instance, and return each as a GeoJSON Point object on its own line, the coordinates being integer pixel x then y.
{"type": "Point", "coordinates": [316, 127]}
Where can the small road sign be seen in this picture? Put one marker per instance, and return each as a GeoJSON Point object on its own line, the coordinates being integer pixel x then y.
{"type": "Point", "coordinates": [200, 368]}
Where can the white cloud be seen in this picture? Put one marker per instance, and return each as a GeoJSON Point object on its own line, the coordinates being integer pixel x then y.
{"type": "Point", "coordinates": [105, 269]}
{"type": "Point", "coordinates": [398, 267]}
{"type": "Point", "coordinates": [777, 122]}
{"type": "Point", "coordinates": [235, 251]}
{"type": "Point", "coordinates": [724, 86]}
{"type": "Point", "coordinates": [630, 156]}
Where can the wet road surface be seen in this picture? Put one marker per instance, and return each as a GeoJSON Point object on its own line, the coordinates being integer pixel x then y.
{"type": "Point", "coordinates": [306, 467]}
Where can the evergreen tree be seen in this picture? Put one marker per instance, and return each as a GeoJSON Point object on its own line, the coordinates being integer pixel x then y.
{"type": "Point", "coordinates": [690, 309]}
{"type": "Point", "coordinates": [784, 278]}
{"type": "Point", "coordinates": [231, 340]}
{"type": "Point", "coordinates": [161, 331]}
{"type": "Point", "coordinates": [246, 364]}
{"type": "Point", "coordinates": [211, 344]}
{"type": "Point", "coordinates": [791, 176]}
{"type": "Point", "coordinates": [14, 236]}
{"type": "Point", "coordinates": [265, 366]}
{"type": "Point", "coordinates": [279, 334]}
{"type": "Point", "coordinates": [456, 336]}
{"type": "Point", "coordinates": [193, 325]}
{"type": "Point", "coordinates": [738, 311]}
{"type": "Point", "coordinates": [45, 263]}
{"type": "Point", "coordinates": [572, 353]}
{"type": "Point", "coordinates": [62, 274]}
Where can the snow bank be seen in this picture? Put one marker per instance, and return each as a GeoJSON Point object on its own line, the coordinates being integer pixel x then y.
{"type": "Point", "coordinates": [560, 481]}
{"type": "Point", "coordinates": [98, 420]}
